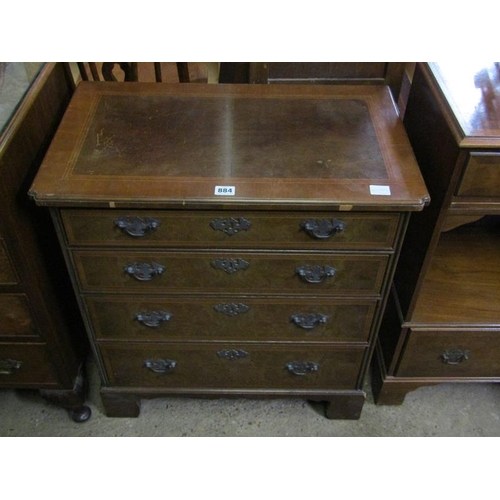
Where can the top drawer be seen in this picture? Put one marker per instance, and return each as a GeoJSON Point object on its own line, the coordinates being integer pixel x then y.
{"type": "Point", "coordinates": [481, 176]}
{"type": "Point", "coordinates": [325, 230]}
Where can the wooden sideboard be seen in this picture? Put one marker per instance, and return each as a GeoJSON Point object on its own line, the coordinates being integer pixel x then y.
{"type": "Point", "coordinates": [232, 240]}
{"type": "Point", "coordinates": [442, 323]}
{"type": "Point", "coordinates": [42, 339]}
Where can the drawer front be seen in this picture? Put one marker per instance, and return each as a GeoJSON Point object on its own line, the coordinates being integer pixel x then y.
{"type": "Point", "coordinates": [196, 272]}
{"type": "Point", "coordinates": [326, 230]}
{"type": "Point", "coordinates": [232, 366]}
{"type": "Point", "coordinates": [25, 364]}
{"type": "Point", "coordinates": [451, 354]}
{"type": "Point", "coordinates": [482, 176]}
{"type": "Point", "coordinates": [143, 318]}
{"type": "Point", "coordinates": [8, 275]}
{"type": "Point", "coordinates": [15, 316]}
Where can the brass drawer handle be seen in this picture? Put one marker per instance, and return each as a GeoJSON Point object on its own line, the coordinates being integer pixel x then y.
{"type": "Point", "coordinates": [231, 309]}
{"type": "Point", "coordinates": [9, 366]}
{"type": "Point", "coordinates": [137, 226]}
{"type": "Point", "coordinates": [302, 368]}
{"type": "Point", "coordinates": [153, 319]}
{"type": "Point", "coordinates": [315, 274]}
{"type": "Point", "coordinates": [230, 266]}
{"type": "Point", "coordinates": [160, 365]}
{"type": "Point", "coordinates": [233, 354]}
{"type": "Point", "coordinates": [309, 321]}
{"type": "Point", "coordinates": [455, 356]}
{"type": "Point", "coordinates": [230, 226]}
{"type": "Point", "coordinates": [322, 229]}
{"type": "Point", "coordinates": [144, 271]}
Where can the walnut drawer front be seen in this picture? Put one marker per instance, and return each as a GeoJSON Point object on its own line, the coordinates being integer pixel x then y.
{"type": "Point", "coordinates": [143, 318]}
{"type": "Point", "coordinates": [25, 364]}
{"type": "Point", "coordinates": [231, 366]}
{"type": "Point", "coordinates": [454, 354]}
{"type": "Point", "coordinates": [17, 320]}
{"type": "Point", "coordinates": [241, 272]}
{"type": "Point", "coordinates": [325, 230]}
{"type": "Point", "coordinates": [482, 176]}
{"type": "Point", "coordinates": [8, 275]}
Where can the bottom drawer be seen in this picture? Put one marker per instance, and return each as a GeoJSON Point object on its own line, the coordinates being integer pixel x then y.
{"type": "Point", "coordinates": [232, 366]}
{"type": "Point", "coordinates": [456, 353]}
{"type": "Point", "coordinates": [15, 314]}
{"type": "Point", "coordinates": [25, 365]}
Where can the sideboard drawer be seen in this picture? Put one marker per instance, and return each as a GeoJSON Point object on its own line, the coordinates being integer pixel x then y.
{"type": "Point", "coordinates": [233, 272]}
{"type": "Point", "coordinates": [482, 176]}
{"type": "Point", "coordinates": [325, 230]}
{"type": "Point", "coordinates": [453, 354]}
{"type": "Point", "coordinates": [232, 366]}
{"type": "Point", "coordinates": [16, 316]}
{"type": "Point", "coordinates": [25, 364]}
{"type": "Point", "coordinates": [143, 318]}
{"type": "Point", "coordinates": [8, 275]}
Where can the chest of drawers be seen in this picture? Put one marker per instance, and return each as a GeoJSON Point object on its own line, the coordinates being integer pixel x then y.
{"type": "Point", "coordinates": [42, 340]}
{"type": "Point", "coordinates": [442, 323]}
{"type": "Point", "coordinates": [229, 240]}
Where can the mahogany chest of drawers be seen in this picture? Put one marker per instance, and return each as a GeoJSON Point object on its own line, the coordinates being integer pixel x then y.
{"type": "Point", "coordinates": [232, 240]}
{"type": "Point", "coordinates": [442, 323]}
{"type": "Point", "coordinates": [42, 339]}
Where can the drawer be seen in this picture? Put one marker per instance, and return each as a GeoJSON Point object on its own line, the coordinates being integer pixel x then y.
{"type": "Point", "coordinates": [143, 318]}
{"type": "Point", "coordinates": [454, 354]}
{"type": "Point", "coordinates": [481, 176]}
{"type": "Point", "coordinates": [8, 275]}
{"type": "Point", "coordinates": [326, 230]}
{"type": "Point", "coordinates": [16, 319]}
{"type": "Point", "coordinates": [232, 366]}
{"type": "Point", "coordinates": [25, 364]}
{"type": "Point", "coordinates": [228, 273]}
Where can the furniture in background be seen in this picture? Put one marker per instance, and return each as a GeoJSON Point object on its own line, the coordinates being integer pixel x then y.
{"type": "Point", "coordinates": [442, 323]}
{"type": "Point", "coordinates": [42, 339]}
{"type": "Point", "coordinates": [154, 71]}
{"type": "Point", "coordinates": [331, 73]}
{"type": "Point", "coordinates": [231, 240]}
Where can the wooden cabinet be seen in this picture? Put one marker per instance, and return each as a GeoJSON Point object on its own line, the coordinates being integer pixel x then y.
{"type": "Point", "coordinates": [443, 320]}
{"type": "Point", "coordinates": [233, 240]}
{"type": "Point", "coordinates": [42, 339]}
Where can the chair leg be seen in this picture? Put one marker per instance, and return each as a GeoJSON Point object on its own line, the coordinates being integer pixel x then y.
{"type": "Point", "coordinates": [158, 75]}
{"type": "Point", "coordinates": [183, 72]}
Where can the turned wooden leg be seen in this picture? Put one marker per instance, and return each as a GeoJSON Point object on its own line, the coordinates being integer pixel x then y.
{"type": "Point", "coordinates": [120, 405]}
{"type": "Point", "coordinates": [346, 407]}
{"type": "Point", "coordinates": [71, 399]}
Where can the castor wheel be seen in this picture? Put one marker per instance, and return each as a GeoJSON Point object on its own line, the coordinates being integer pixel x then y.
{"type": "Point", "coordinates": [81, 414]}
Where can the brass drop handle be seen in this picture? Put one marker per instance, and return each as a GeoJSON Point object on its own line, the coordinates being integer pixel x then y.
{"type": "Point", "coordinates": [455, 356]}
{"type": "Point", "coordinates": [9, 366]}
{"type": "Point", "coordinates": [137, 226]}
{"type": "Point", "coordinates": [144, 271]}
{"type": "Point", "coordinates": [315, 274]}
{"type": "Point", "coordinates": [309, 321]}
{"type": "Point", "coordinates": [153, 319]}
{"type": "Point", "coordinates": [302, 368]}
{"type": "Point", "coordinates": [322, 229]}
{"type": "Point", "coordinates": [160, 365]}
